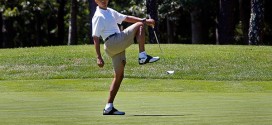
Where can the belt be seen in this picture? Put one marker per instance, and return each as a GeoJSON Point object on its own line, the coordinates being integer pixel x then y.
{"type": "Point", "coordinates": [110, 36]}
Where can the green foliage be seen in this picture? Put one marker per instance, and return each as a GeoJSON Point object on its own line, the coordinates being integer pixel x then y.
{"type": "Point", "coordinates": [83, 23]}
{"type": "Point", "coordinates": [190, 4]}
{"type": "Point", "coordinates": [168, 8]}
{"type": "Point", "coordinates": [130, 7]}
{"type": "Point", "coordinates": [36, 21]}
{"type": "Point", "coordinates": [32, 17]}
{"type": "Point", "coordinates": [11, 12]}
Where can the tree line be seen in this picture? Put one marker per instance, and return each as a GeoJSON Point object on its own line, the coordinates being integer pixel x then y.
{"type": "Point", "coordinates": [27, 23]}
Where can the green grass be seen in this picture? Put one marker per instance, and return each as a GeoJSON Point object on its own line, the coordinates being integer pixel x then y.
{"type": "Point", "coordinates": [150, 102]}
{"type": "Point", "coordinates": [190, 62]}
{"type": "Point", "coordinates": [75, 108]}
{"type": "Point", "coordinates": [211, 85]}
{"type": "Point", "coordinates": [136, 85]}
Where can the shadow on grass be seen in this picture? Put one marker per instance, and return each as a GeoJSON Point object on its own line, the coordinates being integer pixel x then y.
{"type": "Point", "coordinates": [161, 115]}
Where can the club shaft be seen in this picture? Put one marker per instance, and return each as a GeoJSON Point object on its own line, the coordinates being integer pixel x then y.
{"type": "Point", "coordinates": [157, 39]}
{"type": "Point", "coordinates": [153, 28]}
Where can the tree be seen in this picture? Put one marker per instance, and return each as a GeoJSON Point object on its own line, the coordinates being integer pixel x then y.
{"type": "Point", "coordinates": [226, 21]}
{"type": "Point", "coordinates": [26, 23]}
{"type": "Point", "coordinates": [152, 10]}
{"type": "Point", "coordinates": [51, 25]}
{"type": "Point", "coordinates": [92, 8]}
{"type": "Point", "coordinates": [268, 22]}
{"type": "Point", "coordinates": [61, 13]}
{"type": "Point", "coordinates": [170, 16]}
{"type": "Point", "coordinates": [10, 13]}
{"type": "Point", "coordinates": [256, 22]}
{"type": "Point", "coordinates": [200, 13]}
{"type": "Point", "coordinates": [197, 26]}
{"type": "Point", "coordinates": [1, 26]}
{"type": "Point", "coordinates": [244, 8]}
{"type": "Point", "coordinates": [72, 38]}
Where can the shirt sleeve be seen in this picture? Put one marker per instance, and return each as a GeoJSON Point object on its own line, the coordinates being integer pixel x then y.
{"type": "Point", "coordinates": [119, 17]}
{"type": "Point", "coordinates": [97, 26]}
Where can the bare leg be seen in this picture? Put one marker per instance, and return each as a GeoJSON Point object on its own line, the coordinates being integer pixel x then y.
{"type": "Point", "coordinates": [139, 29]}
{"type": "Point", "coordinates": [116, 82]}
{"type": "Point", "coordinates": [140, 35]}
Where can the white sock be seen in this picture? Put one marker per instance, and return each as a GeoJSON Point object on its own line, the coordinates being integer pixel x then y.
{"type": "Point", "coordinates": [109, 106]}
{"type": "Point", "coordinates": [142, 54]}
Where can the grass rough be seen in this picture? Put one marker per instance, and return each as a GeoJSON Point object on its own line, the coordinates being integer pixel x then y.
{"type": "Point", "coordinates": [190, 62]}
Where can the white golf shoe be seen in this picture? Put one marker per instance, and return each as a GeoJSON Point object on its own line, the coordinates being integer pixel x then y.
{"type": "Point", "coordinates": [148, 59]}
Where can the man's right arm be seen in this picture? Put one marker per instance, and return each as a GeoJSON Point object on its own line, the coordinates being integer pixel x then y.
{"type": "Point", "coordinates": [133, 19]}
{"type": "Point", "coordinates": [100, 61]}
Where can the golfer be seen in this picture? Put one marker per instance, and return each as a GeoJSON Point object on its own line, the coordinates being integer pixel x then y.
{"type": "Point", "coordinates": [105, 24]}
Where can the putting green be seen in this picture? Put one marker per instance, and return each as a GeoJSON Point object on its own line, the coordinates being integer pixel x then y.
{"type": "Point", "coordinates": [76, 107]}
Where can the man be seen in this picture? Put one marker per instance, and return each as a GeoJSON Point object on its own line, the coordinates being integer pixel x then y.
{"type": "Point", "coordinates": [104, 24]}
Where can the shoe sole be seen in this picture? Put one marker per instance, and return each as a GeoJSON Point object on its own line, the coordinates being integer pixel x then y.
{"type": "Point", "coordinates": [114, 114]}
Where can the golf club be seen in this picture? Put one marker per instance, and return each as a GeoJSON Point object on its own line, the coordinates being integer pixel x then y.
{"type": "Point", "coordinates": [153, 28]}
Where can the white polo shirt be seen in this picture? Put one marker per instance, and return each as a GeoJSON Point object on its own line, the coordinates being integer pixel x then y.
{"type": "Point", "coordinates": [104, 22]}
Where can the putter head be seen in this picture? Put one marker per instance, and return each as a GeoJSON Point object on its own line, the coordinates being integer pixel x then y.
{"type": "Point", "coordinates": [170, 72]}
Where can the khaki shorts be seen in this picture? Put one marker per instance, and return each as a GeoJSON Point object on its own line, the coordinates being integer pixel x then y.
{"type": "Point", "coordinates": [115, 46]}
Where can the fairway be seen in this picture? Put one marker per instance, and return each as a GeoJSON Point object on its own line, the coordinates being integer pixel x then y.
{"type": "Point", "coordinates": [63, 108]}
{"type": "Point", "coordinates": [212, 85]}
{"type": "Point", "coordinates": [72, 102]}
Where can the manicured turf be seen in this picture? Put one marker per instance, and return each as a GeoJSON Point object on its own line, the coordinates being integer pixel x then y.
{"type": "Point", "coordinates": [64, 86]}
{"type": "Point", "coordinates": [72, 108]}
{"type": "Point", "coordinates": [136, 85]}
{"type": "Point", "coordinates": [151, 101]}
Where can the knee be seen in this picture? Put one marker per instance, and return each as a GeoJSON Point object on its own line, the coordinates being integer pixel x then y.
{"type": "Point", "coordinates": [119, 76]}
{"type": "Point", "coordinates": [139, 28]}
{"type": "Point", "coordinates": [140, 24]}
